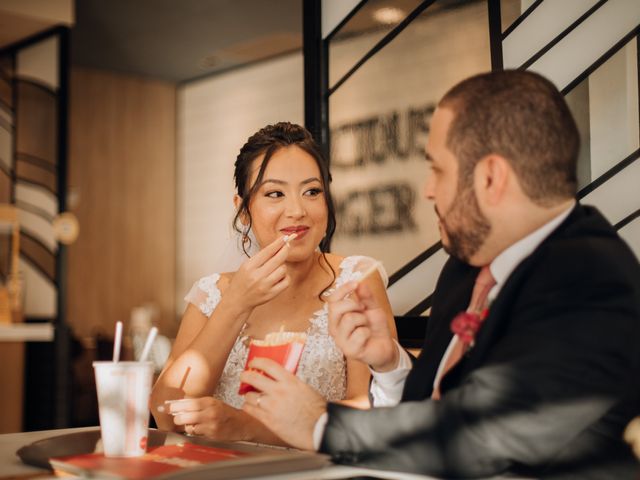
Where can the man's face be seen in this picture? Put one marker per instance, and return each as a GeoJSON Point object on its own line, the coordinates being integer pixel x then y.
{"type": "Point", "coordinates": [463, 227]}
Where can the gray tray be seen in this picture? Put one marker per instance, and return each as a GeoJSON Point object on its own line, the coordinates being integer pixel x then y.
{"type": "Point", "coordinates": [263, 461]}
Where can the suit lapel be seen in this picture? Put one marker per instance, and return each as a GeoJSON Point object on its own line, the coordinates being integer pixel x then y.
{"type": "Point", "coordinates": [452, 295]}
{"type": "Point", "coordinates": [500, 310]}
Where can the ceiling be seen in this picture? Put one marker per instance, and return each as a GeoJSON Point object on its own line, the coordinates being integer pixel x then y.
{"type": "Point", "coordinates": [179, 40]}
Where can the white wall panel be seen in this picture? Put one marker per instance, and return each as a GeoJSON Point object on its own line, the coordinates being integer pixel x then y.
{"type": "Point", "coordinates": [333, 12]}
{"type": "Point", "coordinates": [631, 234]}
{"type": "Point", "coordinates": [38, 197]}
{"type": "Point", "coordinates": [613, 110]}
{"type": "Point", "coordinates": [40, 299]}
{"type": "Point", "coordinates": [545, 23]}
{"type": "Point", "coordinates": [414, 287]}
{"type": "Point", "coordinates": [39, 228]}
{"type": "Point", "coordinates": [618, 197]}
{"type": "Point", "coordinates": [6, 149]}
{"type": "Point", "coordinates": [589, 41]}
{"type": "Point", "coordinates": [40, 62]}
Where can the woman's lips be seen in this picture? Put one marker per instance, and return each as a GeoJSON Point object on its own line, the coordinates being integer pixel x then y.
{"type": "Point", "coordinates": [299, 231]}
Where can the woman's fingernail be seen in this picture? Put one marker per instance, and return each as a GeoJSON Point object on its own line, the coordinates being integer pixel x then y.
{"type": "Point", "coordinates": [288, 238]}
{"type": "Point", "coordinates": [161, 409]}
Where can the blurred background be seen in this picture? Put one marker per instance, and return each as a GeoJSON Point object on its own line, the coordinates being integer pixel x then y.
{"type": "Point", "coordinates": [120, 122]}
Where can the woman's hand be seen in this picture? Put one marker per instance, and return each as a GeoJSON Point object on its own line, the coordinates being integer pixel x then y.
{"type": "Point", "coordinates": [260, 278]}
{"type": "Point", "coordinates": [209, 417]}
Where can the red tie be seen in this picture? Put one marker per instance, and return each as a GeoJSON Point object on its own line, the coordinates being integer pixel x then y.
{"type": "Point", "coordinates": [482, 287]}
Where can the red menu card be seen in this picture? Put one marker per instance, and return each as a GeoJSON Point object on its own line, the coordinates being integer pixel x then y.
{"type": "Point", "coordinates": [157, 461]}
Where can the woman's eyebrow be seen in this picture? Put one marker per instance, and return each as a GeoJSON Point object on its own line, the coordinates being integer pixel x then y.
{"type": "Point", "coordinates": [282, 182]}
{"type": "Point", "coordinates": [273, 180]}
{"type": "Point", "coordinates": [309, 180]}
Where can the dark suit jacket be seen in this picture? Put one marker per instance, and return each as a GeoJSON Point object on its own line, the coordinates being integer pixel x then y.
{"type": "Point", "coordinates": [547, 389]}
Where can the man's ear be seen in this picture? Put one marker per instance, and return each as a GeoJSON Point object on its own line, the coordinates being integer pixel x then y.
{"type": "Point", "coordinates": [491, 178]}
{"type": "Point", "coordinates": [237, 201]}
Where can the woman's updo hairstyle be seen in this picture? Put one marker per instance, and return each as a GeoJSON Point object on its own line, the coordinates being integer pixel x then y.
{"type": "Point", "coordinates": [267, 141]}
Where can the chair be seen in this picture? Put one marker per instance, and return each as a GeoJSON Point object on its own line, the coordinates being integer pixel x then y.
{"type": "Point", "coordinates": [411, 330]}
{"type": "Point", "coordinates": [11, 289]}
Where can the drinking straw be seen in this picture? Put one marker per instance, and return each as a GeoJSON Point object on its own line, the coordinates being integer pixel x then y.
{"type": "Point", "coordinates": [117, 342]}
{"type": "Point", "coordinates": [147, 344]}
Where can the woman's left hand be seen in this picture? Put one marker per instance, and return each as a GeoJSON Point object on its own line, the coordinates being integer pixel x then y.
{"type": "Point", "coordinates": [209, 417]}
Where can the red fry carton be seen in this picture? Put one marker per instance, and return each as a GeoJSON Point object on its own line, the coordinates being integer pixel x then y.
{"type": "Point", "coordinates": [284, 348]}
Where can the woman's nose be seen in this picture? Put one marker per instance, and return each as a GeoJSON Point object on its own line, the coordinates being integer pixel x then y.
{"type": "Point", "coordinates": [294, 208]}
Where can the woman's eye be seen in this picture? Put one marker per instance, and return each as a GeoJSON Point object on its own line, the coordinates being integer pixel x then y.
{"type": "Point", "coordinates": [313, 192]}
{"type": "Point", "coordinates": [274, 194]}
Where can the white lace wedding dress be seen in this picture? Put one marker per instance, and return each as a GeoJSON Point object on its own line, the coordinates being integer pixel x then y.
{"type": "Point", "coordinates": [322, 364]}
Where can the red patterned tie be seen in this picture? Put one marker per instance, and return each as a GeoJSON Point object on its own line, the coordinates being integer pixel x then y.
{"type": "Point", "coordinates": [482, 287]}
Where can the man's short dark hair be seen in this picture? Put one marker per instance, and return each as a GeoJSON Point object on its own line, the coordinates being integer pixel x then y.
{"type": "Point", "coordinates": [524, 118]}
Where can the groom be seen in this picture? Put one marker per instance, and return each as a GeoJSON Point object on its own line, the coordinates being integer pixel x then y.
{"type": "Point", "coordinates": [543, 372]}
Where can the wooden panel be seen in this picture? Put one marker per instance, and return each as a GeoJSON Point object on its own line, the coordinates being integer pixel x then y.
{"type": "Point", "coordinates": [5, 187]}
{"type": "Point", "coordinates": [36, 175]}
{"type": "Point", "coordinates": [39, 255]}
{"type": "Point", "coordinates": [6, 98]}
{"type": "Point", "coordinates": [122, 168]}
{"type": "Point", "coordinates": [12, 354]}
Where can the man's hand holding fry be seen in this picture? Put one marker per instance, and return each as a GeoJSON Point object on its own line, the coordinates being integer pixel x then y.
{"type": "Point", "coordinates": [285, 404]}
{"type": "Point", "coordinates": [361, 328]}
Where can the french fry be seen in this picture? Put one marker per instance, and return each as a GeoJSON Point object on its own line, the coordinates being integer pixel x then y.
{"type": "Point", "coordinates": [372, 268]}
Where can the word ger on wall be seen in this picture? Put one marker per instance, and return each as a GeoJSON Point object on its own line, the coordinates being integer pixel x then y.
{"type": "Point", "coordinates": [378, 148]}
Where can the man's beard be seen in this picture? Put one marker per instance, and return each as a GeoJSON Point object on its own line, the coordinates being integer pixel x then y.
{"type": "Point", "coordinates": [465, 226]}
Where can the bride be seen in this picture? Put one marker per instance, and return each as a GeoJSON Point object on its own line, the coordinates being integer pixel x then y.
{"type": "Point", "coordinates": [283, 197]}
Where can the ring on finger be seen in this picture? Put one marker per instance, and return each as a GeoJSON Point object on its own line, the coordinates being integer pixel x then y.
{"type": "Point", "coordinates": [258, 399]}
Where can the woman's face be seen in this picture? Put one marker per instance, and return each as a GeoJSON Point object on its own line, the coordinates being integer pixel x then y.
{"type": "Point", "coordinates": [289, 200]}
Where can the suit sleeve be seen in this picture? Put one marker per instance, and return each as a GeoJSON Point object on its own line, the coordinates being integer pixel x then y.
{"type": "Point", "coordinates": [566, 355]}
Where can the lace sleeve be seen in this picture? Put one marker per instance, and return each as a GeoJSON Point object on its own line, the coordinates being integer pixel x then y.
{"type": "Point", "coordinates": [352, 268]}
{"type": "Point", "coordinates": [205, 294]}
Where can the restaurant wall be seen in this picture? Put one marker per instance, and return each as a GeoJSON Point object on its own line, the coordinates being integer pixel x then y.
{"type": "Point", "coordinates": [216, 115]}
{"type": "Point", "coordinates": [122, 189]}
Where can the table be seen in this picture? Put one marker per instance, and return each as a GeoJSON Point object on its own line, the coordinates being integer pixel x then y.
{"type": "Point", "coordinates": [12, 467]}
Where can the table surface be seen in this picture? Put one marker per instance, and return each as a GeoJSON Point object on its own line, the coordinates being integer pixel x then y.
{"type": "Point", "coordinates": [12, 467]}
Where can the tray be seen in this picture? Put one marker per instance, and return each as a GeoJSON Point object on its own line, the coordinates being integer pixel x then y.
{"type": "Point", "coordinates": [261, 460]}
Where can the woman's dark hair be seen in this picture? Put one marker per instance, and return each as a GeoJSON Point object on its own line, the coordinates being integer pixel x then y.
{"type": "Point", "coordinates": [267, 141]}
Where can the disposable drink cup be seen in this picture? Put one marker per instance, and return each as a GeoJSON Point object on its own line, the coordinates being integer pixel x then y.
{"type": "Point", "coordinates": [123, 404]}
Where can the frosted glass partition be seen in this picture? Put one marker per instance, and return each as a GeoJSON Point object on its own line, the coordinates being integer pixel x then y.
{"type": "Point", "coordinates": [371, 22]}
{"type": "Point", "coordinates": [379, 122]}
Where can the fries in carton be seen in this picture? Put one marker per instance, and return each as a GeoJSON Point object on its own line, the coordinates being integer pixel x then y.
{"type": "Point", "coordinates": [282, 347]}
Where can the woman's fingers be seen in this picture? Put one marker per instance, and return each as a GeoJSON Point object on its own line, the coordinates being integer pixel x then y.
{"type": "Point", "coordinates": [187, 418]}
{"type": "Point", "coordinates": [174, 407]}
{"type": "Point", "coordinates": [260, 258]}
{"type": "Point", "coordinates": [276, 276]}
{"type": "Point", "coordinates": [275, 261]}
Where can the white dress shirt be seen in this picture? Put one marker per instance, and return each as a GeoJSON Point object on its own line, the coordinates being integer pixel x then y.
{"type": "Point", "coordinates": [386, 387]}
